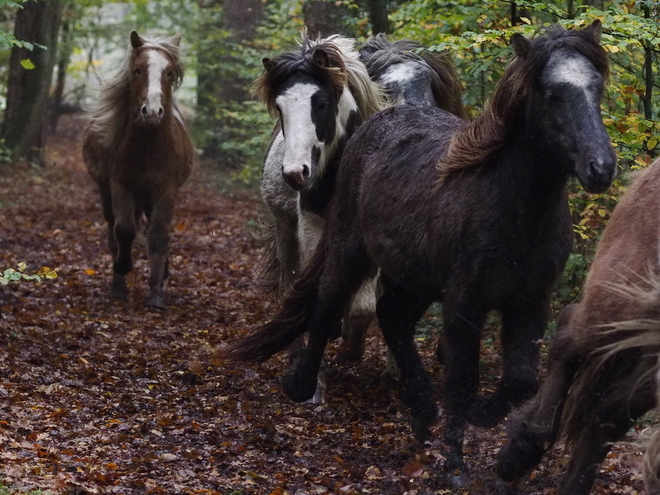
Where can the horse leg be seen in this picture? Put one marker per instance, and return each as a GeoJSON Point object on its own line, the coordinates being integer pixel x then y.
{"type": "Point", "coordinates": [346, 265]}
{"type": "Point", "coordinates": [124, 229]}
{"type": "Point", "coordinates": [158, 238]}
{"type": "Point", "coordinates": [287, 250]}
{"type": "Point", "coordinates": [398, 311]}
{"type": "Point", "coordinates": [536, 428]}
{"type": "Point", "coordinates": [522, 331]}
{"type": "Point", "coordinates": [357, 321]}
{"type": "Point", "coordinates": [462, 325]}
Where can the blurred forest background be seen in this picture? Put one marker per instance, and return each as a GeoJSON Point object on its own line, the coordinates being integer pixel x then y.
{"type": "Point", "coordinates": [55, 53]}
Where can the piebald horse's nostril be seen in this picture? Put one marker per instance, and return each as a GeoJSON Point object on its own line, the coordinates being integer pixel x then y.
{"type": "Point", "coordinates": [144, 110]}
{"type": "Point", "coordinates": [160, 111]}
{"type": "Point", "coordinates": [306, 172]}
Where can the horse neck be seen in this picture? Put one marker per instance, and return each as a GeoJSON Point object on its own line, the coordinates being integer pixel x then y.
{"type": "Point", "coordinates": [348, 119]}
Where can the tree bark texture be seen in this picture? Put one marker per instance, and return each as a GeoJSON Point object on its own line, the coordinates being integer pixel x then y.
{"type": "Point", "coordinates": [26, 115]}
{"type": "Point", "coordinates": [325, 18]}
{"type": "Point", "coordinates": [378, 15]}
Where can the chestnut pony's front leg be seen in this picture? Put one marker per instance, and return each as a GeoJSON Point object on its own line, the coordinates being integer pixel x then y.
{"type": "Point", "coordinates": [121, 238]}
{"type": "Point", "coordinates": [158, 237]}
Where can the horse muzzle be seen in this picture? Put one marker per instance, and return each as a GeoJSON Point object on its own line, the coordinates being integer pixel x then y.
{"type": "Point", "coordinates": [298, 178]}
{"type": "Point", "coordinates": [598, 171]}
{"type": "Point", "coordinates": [152, 116]}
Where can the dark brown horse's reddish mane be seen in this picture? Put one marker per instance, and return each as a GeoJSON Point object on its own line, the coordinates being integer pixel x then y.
{"type": "Point", "coordinates": [471, 147]}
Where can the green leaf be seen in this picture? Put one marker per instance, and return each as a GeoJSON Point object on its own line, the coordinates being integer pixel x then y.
{"type": "Point", "coordinates": [27, 64]}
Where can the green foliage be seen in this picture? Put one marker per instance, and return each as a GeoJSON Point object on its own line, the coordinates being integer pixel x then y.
{"type": "Point", "coordinates": [13, 276]}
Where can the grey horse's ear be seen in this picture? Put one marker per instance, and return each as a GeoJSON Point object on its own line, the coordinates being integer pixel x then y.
{"type": "Point", "coordinates": [521, 45]}
{"type": "Point", "coordinates": [136, 40]}
{"type": "Point", "coordinates": [176, 39]}
{"type": "Point", "coordinates": [269, 63]}
{"type": "Point", "coordinates": [595, 30]}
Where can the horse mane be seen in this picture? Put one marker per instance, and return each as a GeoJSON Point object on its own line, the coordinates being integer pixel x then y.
{"type": "Point", "coordinates": [344, 69]}
{"type": "Point", "coordinates": [379, 53]}
{"type": "Point", "coordinates": [109, 116]}
{"type": "Point", "coordinates": [471, 146]}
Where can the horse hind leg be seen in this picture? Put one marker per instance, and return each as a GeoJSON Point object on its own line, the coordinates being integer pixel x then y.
{"type": "Point", "coordinates": [398, 312]}
{"type": "Point", "coordinates": [121, 238]}
{"type": "Point", "coordinates": [356, 322]}
{"type": "Point", "coordinates": [158, 239]}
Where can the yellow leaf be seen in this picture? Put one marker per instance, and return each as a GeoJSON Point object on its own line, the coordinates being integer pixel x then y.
{"type": "Point", "coordinates": [525, 20]}
{"type": "Point", "coordinates": [612, 48]}
{"type": "Point", "coordinates": [90, 272]}
{"type": "Point", "coordinates": [651, 143]}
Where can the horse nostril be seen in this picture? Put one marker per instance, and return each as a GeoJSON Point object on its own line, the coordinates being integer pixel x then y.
{"type": "Point", "coordinates": [306, 172]}
{"type": "Point", "coordinates": [143, 110]}
{"type": "Point", "coordinates": [160, 111]}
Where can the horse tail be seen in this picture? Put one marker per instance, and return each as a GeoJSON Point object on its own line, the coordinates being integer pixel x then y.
{"type": "Point", "coordinates": [290, 322]}
{"type": "Point", "coordinates": [624, 363]}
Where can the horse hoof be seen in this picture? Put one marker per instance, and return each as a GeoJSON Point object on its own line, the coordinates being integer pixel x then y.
{"type": "Point", "coordinates": [296, 391]}
{"type": "Point", "coordinates": [118, 295]}
{"type": "Point", "coordinates": [455, 467]}
{"type": "Point", "coordinates": [520, 454]}
{"type": "Point", "coordinates": [156, 301]}
{"type": "Point", "coordinates": [348, 353]}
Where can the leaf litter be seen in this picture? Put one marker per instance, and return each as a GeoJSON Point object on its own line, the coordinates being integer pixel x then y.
{"type": "Point", "coordinates": [101, 397]}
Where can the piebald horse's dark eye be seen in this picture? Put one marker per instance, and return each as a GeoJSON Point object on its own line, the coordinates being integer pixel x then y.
{"type": "Point", "coordinates": [137, 71]}
{"type": "Point", "coordinates": [170, 73]}
{"type": "Point", "coordinates": [322, 106]}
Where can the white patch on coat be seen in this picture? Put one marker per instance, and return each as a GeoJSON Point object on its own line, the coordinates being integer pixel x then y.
{"type": "Point", "coordinates": [401, 72]}
{"type": "Point", "coordinates": [295, 105]}
{"type": "Point", "coordinates": [576, 71]}
{"type": "Point", "coordinates": [157, 62]}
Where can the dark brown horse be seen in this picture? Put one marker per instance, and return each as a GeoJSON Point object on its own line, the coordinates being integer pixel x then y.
{"type": "Point", "coordinates": [603, 363]}
{"type": "Point", "coordinates": [471, 214]}
{"type": "Point", "coordinates": [137, 150]}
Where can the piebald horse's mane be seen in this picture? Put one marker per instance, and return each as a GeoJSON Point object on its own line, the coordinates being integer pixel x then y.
{"type": "Point", "coordinates": [379, 53]}
{"type": "Point", "coordinates": [109, 116]}
{"type": "Point", "coordinates": [332, 59]}
{"type": "Point", "coordinates": [471, 146]}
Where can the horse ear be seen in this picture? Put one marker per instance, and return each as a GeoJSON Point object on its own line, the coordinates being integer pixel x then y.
{"type": "Point", "coordinates": [176, 39]}
{"type": "Point", "coordinates": [269, 64]}
{"type": "Point", "coordinates": [595, 29]}
{"type": "Point", "coordinates": [521, 45]}
{"type": "Point", "coordinates": [136, 40]}
{"type": "Point", "coordinates": [323, 58]}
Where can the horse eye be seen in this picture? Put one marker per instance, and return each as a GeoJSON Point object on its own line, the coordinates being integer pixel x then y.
{"type": "Point", "coordinates": [137, 72]}
{"type": "Point", "coordinates": [323, 105]}
{"type": "Point", "coordinates": [170, 73]}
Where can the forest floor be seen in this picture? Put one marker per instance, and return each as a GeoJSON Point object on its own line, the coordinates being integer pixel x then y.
{"type": "Point", "coordinates": [102, 397]}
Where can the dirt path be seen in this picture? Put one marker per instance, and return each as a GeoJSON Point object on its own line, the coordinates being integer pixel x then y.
{"type": "Point", "coordinates": [98, 397]}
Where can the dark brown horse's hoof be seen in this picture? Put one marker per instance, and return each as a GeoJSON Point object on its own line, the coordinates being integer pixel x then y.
{"type": "Point", "coordinates": [349, 353]}
{"type": "Point", "coordinates": [487, 413]}
{"type": "Point", "coordinates": [298, 390]}
{"type": "Point", "coordinates": [118, 290]}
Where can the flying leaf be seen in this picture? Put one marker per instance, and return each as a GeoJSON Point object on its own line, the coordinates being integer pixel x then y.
{"type": "Point", "coordinates": [27, 64]}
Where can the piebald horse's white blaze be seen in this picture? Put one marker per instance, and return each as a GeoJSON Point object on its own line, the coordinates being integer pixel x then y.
{"type": "Point", "coordinates": [152, 109]}
{"type": "Point", "coordinates": [295, 106]}
{"type": "Point", "coordinates": [300, 134]}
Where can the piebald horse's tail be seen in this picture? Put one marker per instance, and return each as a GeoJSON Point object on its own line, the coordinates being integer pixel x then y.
{"type": "Point", "coordinates": [290, 322]}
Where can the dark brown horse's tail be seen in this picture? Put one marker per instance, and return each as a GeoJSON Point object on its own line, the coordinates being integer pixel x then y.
{"type": "Point", "coordinates": [625, 362]}
{"type": "Point", "coordinates": [289, 324]}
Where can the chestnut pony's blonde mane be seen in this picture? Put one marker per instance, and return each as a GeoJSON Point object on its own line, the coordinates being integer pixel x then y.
{"type": "Point", "coordinates": [109, 116]}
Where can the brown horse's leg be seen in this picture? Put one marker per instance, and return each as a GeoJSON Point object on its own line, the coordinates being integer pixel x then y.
{"type": "Point", "coordinates": [124, 229]}
{"type": "Point", "coordinates": [356, 322]}
{"type": "Point", "coordinates": [398, 312]}
{"type": "Point", "coordinates": [522, 331]}
{"type": "Point", "coordinates": [536, 428]}
{"type": "Point", "coordinates": [158, 238]}
{"type": "Point", "coordinates": [462, 325]}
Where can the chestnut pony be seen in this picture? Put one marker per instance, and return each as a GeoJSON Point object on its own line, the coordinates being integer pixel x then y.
{"type": "Point", "coordinates": [603, 363]}
{"type": "Point", "coordinates": [138, 152]}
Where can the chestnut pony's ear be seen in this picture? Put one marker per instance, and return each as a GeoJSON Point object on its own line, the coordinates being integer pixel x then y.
{"type": "Point", "coordinates": [521, 45]}
{"type": "Point", "coordinates": [136, 40]}
{"type": "Point", "coordinates": [595, 29]}
{"type": "Point", "coordinates": [176, 39]}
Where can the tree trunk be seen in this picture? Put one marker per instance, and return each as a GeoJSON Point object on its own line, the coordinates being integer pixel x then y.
{"type": "Point", "coordinates": [221, 78]}
{"type": "Point", "coordinates": [378, 14]}
{"type": "Point", "coordinates": [26, 116]}
{"type": "Point", "coordinates": [326, 18]}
